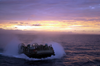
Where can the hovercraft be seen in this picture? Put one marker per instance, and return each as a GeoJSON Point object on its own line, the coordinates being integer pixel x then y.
{"type": "Point", "coordinates": [36, 51]}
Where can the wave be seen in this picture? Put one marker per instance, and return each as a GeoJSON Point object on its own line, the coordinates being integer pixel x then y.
{"type": "Point", "coordinates": [11, 50]}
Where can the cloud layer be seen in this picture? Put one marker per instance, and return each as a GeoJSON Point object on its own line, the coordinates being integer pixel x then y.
{"type": "Point", "coordinates": [50, 10]}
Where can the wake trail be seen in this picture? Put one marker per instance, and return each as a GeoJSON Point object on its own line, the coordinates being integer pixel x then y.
{"type": "Point", "coordinates": [11, 50]}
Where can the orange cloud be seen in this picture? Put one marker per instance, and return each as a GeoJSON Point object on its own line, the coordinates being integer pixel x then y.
{"type": "Point", "coordinates": [65, 25]}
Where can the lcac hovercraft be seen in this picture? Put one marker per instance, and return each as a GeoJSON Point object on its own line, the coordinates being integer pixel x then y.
{"type": "Point", "coordinates": [36, 51]}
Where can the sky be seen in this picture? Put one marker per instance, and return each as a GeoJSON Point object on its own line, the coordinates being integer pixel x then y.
{"type": "Point", "coordinates": [74, 16]}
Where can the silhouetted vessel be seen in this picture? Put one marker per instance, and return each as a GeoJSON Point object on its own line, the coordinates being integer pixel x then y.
{"type": "Point", "coordinates": [36, 51]}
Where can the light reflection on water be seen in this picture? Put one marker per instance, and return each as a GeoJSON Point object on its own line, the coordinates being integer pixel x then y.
{"type": "Point", "coordinates": [81, 50]}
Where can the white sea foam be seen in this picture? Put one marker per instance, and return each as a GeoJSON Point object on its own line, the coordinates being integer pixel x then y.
{"type": "Point", "coordinates": [12, 50]}
{"type": "Point", "coordinates": [12, 47]}
{"type": "Point", "coordinates": [58, 49]}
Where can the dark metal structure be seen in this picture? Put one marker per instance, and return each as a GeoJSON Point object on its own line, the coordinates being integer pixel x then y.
{"type": "Point", "coordinates": [36, 51]}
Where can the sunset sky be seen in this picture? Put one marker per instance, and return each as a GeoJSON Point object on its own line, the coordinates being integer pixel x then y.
{"type": "Point", "coordinates": [76, 16]}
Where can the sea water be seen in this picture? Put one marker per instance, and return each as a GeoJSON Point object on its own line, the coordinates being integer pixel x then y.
{"type": "Point", "coordinates": [70, 50]}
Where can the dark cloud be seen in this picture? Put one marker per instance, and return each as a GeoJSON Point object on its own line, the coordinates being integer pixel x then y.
{"type": "Point", "coordinates": [36, 25]}
{"type": "Point", "coordinates": [13, 22]}
{"type": "Point", "coordinates": [48, 9]}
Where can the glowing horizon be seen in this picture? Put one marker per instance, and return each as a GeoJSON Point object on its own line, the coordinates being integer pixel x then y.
{"type": "Point", "coordinates": [63, 26]}
{"type": "Point", "coordinates": [81, 16]}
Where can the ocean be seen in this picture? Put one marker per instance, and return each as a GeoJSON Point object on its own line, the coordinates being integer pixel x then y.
{"type": "Point", "coordinates": [70, 50]}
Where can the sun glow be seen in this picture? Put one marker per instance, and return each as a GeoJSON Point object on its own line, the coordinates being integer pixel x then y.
{"type": "Point", "coordinates": [65, 26]}
{"type": "Point", "coordinates": [39, 28]}
{"type": "Point", "coordinates": [21, 27]}
{"type": "Point", "coordinates": [27, 27]}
